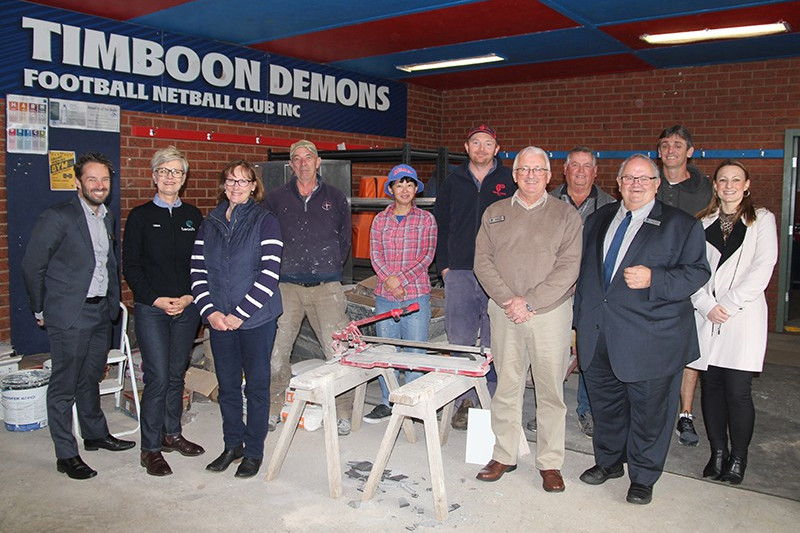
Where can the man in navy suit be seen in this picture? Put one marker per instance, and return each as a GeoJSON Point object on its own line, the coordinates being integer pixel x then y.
{"type": "Point", "coordinates": [642, 260]}
{"type": "Point", "coordinates": [72, 279]}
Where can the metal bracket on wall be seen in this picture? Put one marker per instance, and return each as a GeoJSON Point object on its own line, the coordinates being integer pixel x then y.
{"type": "Point", "coordinates": [233, 138]}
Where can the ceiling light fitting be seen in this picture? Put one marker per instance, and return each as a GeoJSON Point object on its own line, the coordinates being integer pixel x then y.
{"type": "Point", "coordinates": [451, 63]}
{"type": "Point", "coordinates": [708, 34]}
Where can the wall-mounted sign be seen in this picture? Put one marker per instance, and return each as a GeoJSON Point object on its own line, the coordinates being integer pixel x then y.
{"type": "Point", "coordinates": [26, 124]}
{"type": "Point", "coordinates": [61, 54]}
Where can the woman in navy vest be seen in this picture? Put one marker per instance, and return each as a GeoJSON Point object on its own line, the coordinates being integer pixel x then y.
{"type": "Point", "coordinates": [235, 267]}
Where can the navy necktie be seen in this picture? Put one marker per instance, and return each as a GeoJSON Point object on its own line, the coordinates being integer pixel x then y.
{"type": "Point", "coordinates": [613, 250]}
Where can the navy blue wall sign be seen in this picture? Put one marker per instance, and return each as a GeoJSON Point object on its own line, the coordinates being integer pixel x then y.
{"type": "Point", "coordinates": [61, 54]}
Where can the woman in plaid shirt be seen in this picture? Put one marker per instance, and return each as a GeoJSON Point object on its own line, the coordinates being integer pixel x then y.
{"type": "Point", "coordinates": [402, 243]}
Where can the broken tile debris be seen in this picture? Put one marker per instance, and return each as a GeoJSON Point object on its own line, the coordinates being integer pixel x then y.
{"type": "Point", "coordinates": [360, 470]}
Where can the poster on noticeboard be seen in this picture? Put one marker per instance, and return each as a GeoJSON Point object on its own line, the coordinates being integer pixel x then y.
{"type": "Point", "coordinates": [26, 124]}
{"type": "Point", "coordinates": [62, 175]}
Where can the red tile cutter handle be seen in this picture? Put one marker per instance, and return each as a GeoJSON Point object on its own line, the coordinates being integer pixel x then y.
{"type": "Point", "coordinates": [351, 335]}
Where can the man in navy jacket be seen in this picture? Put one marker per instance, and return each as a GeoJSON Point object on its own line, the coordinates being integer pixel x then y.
{"type": "Point", "coordinates": [466, 193]}
{"type": "Point", "coordinates": [642, 260]}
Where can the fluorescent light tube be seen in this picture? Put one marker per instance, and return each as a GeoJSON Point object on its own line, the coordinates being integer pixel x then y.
{"type": "Point", "coordinates": [709, 34]}
{"type": "Point", "coordinates": [450, 63]}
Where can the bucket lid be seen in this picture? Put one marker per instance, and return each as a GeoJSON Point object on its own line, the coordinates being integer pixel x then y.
{"type": "Point", "coordinates": [25, 379]}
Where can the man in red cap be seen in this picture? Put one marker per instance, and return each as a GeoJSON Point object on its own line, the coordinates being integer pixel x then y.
{"type": "Point", "coordinates": [466, 193]}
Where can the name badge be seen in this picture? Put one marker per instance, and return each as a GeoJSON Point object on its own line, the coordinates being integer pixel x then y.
{"type": "Point", "coordinates": [652, 221]}
{"type": "Point", "coordinates": [496, 219]}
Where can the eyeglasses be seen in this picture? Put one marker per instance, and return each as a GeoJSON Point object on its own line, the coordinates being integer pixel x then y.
{"type": "Point", "coordinates": [163, 172]}
{"type": "Point", "coordinates": [230, 182]}
{"type": "Point", "coordinates": [537, 171]}
{"type": "Point", "coordinates": [644, 180]}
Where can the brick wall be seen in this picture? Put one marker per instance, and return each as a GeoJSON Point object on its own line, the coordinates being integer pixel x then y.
{"type": "Point", "coordinates": [741, 106]}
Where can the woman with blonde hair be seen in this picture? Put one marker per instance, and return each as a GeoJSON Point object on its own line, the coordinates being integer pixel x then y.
{"type": "Point", "coordinates": [156, 248]}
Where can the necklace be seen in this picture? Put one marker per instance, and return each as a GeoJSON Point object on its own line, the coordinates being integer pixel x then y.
{"type": "Point", "coordinates": [726, 223]}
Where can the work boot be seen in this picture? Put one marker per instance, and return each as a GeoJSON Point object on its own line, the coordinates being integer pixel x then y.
{"type": "Point", "coordinates": [460, 417]}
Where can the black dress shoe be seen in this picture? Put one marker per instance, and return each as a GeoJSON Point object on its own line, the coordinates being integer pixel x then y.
{"type": "Point", "coordinates": [75, 468]}
{"type": "Point", "coordinates": [733, 470]}
{"type": "Point", "coordinates": [639, 494]}
{"type": "Point", "coordinates": [714, 467]}
{"type": "Point", "coordinates": [221, 463]}
{"type": "Point", "coordinates": [249, 467]}
{"type": "Point", "coordinates": [155, 464]}
{"type": "Point", "coordinates": [597, 475]}
{"type": "Point", "coordinates": [109, 443]}
{"type": "Point", "coordinates": [181, 445]}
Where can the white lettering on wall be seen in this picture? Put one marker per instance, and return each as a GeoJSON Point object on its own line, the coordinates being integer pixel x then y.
{"type": "Point", "coordinates": [106, 51]}
{"type": "Point", "coordinates": [305, 85]}
{"type": "Point", "coordinates": [119, 53]}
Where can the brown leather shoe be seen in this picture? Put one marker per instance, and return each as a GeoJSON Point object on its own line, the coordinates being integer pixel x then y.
{"type": "Point", "coordinates": [155, 463]}
{"type": "Point", "coordinates": [181, 445]}
{"type": "Point", "coordinates": [552, 480]}
{"type": "Point", "coordinates": [494, 471]}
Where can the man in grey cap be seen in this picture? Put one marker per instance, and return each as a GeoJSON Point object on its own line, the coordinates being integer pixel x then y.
{"type": "Point", "coordinates": [316, 229]}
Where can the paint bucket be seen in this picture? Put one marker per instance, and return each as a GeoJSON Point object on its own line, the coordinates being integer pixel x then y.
{"type": "Point", "coordinates": [24, 399]}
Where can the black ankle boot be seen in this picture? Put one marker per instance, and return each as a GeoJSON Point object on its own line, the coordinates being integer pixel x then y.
{"type": "Point", "coordinates": [733, 470]}
{"type": "Point", "coordinates": [228, 456]}
{"type": "Point", "coordinates": [714, 467]}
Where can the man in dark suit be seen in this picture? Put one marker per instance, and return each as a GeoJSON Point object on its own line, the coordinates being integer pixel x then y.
{"type": "Point", "coordinates": [642, 260]}
{"type": "Point", "coordinates": [72, 279]}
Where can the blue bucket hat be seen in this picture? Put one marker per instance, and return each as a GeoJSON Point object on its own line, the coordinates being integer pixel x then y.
{"type": "Point", "coordinates": [399, 172]}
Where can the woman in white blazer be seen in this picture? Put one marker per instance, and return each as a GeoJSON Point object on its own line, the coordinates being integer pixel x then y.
{"type": "Point", "coordinates": [731, 316]}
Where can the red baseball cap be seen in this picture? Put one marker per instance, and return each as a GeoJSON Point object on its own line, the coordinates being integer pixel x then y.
{"type": "Point", "coordinates": [483, 128]}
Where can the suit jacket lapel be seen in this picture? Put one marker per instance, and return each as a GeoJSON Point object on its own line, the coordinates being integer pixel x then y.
{"type": "Point", "coordinates": [109, 221]}
{"type": "Point", "coordinates": [600, 241]}
{"type": "Point", "coordinates": [640, 240]}
{"type": "Point", "coordinates": [83, 225]}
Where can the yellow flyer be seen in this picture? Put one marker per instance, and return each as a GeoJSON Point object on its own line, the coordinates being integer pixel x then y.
{"type": "Point", "coordinates": [62, 176]}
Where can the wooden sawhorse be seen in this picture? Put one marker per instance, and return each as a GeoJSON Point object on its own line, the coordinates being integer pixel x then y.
{"type": "Point", "coordinates": [420, 399]}
{"type": "Point", "coordinates": [321, 385]}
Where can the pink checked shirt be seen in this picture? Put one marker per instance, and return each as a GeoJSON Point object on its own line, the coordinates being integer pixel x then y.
{"type": "Point", "coordinates": [404, 249]}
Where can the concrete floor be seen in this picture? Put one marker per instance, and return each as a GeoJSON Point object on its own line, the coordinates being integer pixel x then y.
{"type": "Point", "coordinates": [34, 497]}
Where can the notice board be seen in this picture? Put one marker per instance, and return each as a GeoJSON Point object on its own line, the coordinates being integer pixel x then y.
{"type": "Point", "coordinates": [33, 186]}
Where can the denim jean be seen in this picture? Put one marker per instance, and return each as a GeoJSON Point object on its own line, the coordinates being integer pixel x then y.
{"type": "Point", "coordinates": [413, 327]}
{"type": "Point", "coordinates": [166, 343]}
{"type": "Point", "coordinates": [245, 350]}
{"type": "Point", "coordinates": [583, 397]}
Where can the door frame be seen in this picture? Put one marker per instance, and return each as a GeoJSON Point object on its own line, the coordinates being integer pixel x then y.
{"type": "Point", "coordinates": [791, 146]}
